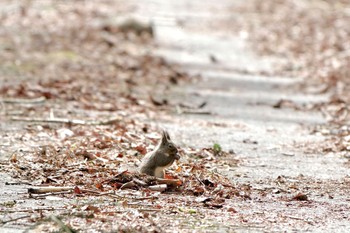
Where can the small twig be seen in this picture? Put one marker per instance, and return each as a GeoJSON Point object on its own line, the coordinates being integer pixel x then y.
{"type": "Point", "coordinates": [53, 189]}
{"type": "Point", "coordinates": [199, 112]}
{"type": "Point", "coordinates": [298, 218]}
{"type": "Point", "coordinates": [156, 210]}
{"type": "Point", "coordinates": [110, 194]}
{"type": "Point", "coordinates": [159, 187]}
{"type": "Point", "coordinates": [180, 110]}
{"type": "Point", "coordinates": [204, 186]}
{"type": "Point", "coordinates": [52, 194]}
{"type": "Point", "coordinates": [23, 101]}
{"type": "Point", "coordinates": [130, 197]}
{"type": "Point", "coordinates": [171, 182]}
{"type": "Point", "coordinates": [67, 121]}
{"type": "Point", "coordinates": [109, 121]}
{"type": "Point", "coordinates": [115, 195]}
{"type": "Point", "coordinates": [31, 210]}
{"type": "Point", "coordinates": [17, 183]}
{"type": "Point", "coordinates": [157, 102]}
{"type": "Point", "coordinates": [294, 217]}
{"type": "Point", "coordinates": [129, 184]}
{"type": "Point", "coordinates": [143, 198]}
{"type": "Point", "coordinates": [15, 219]}
{"type": "Point", "coordinates": [191, 106]}
{"type": "Point", "coordinates": [92, 191]}
{"type": "Point", "coordinates": [140, 182]}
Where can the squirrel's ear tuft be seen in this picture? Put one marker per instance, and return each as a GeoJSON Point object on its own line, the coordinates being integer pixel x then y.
{"type": "Point", "coordinates": [165, 136]}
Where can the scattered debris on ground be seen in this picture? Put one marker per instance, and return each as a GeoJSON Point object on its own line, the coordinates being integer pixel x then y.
{"type": "Point", "coordinates": [81, 109]}
{"type": "Point", "coordinates": [76, 104]}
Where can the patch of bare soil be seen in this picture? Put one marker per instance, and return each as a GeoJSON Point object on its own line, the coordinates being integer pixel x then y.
{"type": "Point", "coordinates": [78, 92]}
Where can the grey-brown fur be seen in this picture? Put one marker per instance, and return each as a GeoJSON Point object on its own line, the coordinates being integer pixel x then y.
{"type": "Point", "coordinates": [161, 157]}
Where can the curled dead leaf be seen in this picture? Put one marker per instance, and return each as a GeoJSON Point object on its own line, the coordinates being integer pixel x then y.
{"type": "Point", "coordinates": [77, 190]}
{"type": "Point", "coordinates": [300, 197]}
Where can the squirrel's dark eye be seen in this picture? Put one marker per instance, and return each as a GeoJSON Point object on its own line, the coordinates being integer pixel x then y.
{"type": "Point", "coordinates": [170, 146]}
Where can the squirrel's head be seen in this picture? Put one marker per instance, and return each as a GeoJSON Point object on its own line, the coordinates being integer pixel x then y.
{"type": "Point", "coordinates": [168, 146]}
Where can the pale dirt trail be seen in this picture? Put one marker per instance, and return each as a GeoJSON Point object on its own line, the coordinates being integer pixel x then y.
{"type": "Point", "coordinates": [278, 153]}
{"type": "Point", "coordinates": [271, 142]}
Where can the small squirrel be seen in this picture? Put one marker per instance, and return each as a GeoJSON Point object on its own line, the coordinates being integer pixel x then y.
{"type": "Point", "coordinates": [161, 157]}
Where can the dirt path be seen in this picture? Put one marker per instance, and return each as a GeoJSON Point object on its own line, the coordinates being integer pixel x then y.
{"type": "Point", "coordinates": [285, 182]}
{"type": "Point", "coordinates": [275, 136]}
